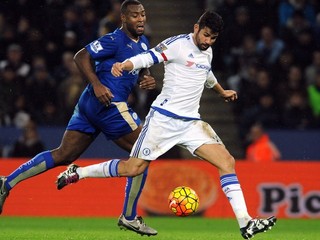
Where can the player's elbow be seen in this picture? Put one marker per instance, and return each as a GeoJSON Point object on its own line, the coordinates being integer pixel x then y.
{"type": "Point", "coordinates": [81, 55]}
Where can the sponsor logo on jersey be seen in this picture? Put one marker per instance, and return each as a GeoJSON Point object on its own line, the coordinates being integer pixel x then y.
{"type": "Point", "coordinates": [201, 66]}
{"type": "Point", "coordinates": [144, 46]}
{"type": "Point", "coordinates": [134, 72]}
{"type": "Point", "coordinates": [160, 48]}
{"type": "Point", "coordinates": [189, 64]}
{"type": "Point", "coordinates": [190, 55]}
{"type": "Point", "coordinates": [96, 46]}
{"type": "Point", "coordinates": [129, 45]}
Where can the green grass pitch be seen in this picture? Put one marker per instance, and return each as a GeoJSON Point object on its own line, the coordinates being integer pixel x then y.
{"type": "Point", "coordinates": [189, 228]}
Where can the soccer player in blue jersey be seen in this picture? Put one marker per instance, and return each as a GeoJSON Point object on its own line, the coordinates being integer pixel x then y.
{"type": "Point", "coordinates": [102, 107]}
{"type": "Point", "coordinates": [174, 117]}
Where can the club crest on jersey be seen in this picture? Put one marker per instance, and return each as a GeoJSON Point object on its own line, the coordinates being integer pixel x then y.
{"type": "Point", "coordinates": [160, 48]}
{"type": "Point", "coordinates": [146, 151]}
{"type": "Point", "coordinates": [135, 116]}
{"type": "Point", "coordinates": [96, 46]}
{"type": "Point", "coordinates": [144, 46]}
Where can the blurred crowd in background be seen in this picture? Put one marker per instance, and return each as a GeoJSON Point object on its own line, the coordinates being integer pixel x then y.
{"type": "Point", "coordinates": [269, 52]}
{"type": "Point", "coordinates": [38, 39]}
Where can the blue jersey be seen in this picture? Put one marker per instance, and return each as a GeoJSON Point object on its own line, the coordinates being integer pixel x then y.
{"type": "Point", "coordinates": [111, 48]}
{"type": "Point", "coordinates": [118, 119]}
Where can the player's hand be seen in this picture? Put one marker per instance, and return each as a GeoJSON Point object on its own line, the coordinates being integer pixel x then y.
{"type": "Point", "coordinates": [117, 69]}
{"type": "Point", "coordinates": [147, 82]}
{"type": "Point", "coordinates": [229, 95]}
{"type": "Point", "coordinates": [103, 94]}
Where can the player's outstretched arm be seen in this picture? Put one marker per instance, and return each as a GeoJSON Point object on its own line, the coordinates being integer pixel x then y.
{"type": "Point", "coordinates": [118, 68]}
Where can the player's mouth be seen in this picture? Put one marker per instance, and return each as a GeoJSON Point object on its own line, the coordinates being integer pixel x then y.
{"type": "Point", "coordinates": [204, 46]}
{"type": "Point", "coordinates": [140, 27]}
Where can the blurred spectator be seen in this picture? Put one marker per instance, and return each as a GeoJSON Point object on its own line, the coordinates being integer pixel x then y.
{"type": "Point", "coordinates": [317, 31]}
{"type": "Point", "coordinates": [29, 144]}
{"type": "Point", "coordinates": [71, 21]}
{"type": "Point", "coordinates": [265, 111]}
{"type": "Point", "coordinates": [4, 118]}
{"type": "Point", "coordinates": [111, 21]}
{"type": "Point", "coordinates": [226, 8]}
{"type": "Point", "coordinates": [269, 47]}
{"type": "Point", "coordinates": [281, 68]}
{"type": "Point", "coordinates": [241, 27]}
{"type": "Point", "coordinates": [304, 48]}
{"type": "Point", "coordinates": [243, 83]}
{"type": "Point", "coordinates": [288, 7]}
{"type": "Point", "coordinates": [294, 26]}
{"type": "Point", "coordinates": [263, 12]}
{"type": "Point", "coordinates": [20, 115]}
{"type": "Point", "coordinates": [261, 86]}
{"type": "Point", "coordinates": [312, 70]}
{"type": "Point", "coordinates": [51, 115]}
{"type": "Point", "coordinates": [40, 88]}
{"type": "Point", "coordinates": [11, 87]}
{"type": "Point", "coordinates": [89, 25]}
{"type": "Point", "coordinates": [246, 54]}
{"type": "Point", "coordinates": [70, 42]}
{"type": "Point", "coordinates": [261, 148]}
{"type": "Point", "coordinates": [64, 69]}
{"type": "Point", "coordinates": [297, 114]}
{"type": "Point", "coordinates": [292, 83]}
{"type": "Point", "coordinates": [34, 43]}
{"type": "Point", "coordinates": [7, 35]}
{"type": "Point", "coordinates": [23, 29]}
{"type": "Point", "coordinates": [15, 61]}
{"type": "Point", "coordinates": [314, 97]}
{"type": "Point", "coordinates": [70, 90]}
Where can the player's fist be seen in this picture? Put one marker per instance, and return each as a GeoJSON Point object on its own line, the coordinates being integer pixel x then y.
{"type": "Point", "coordinates": [229, 95]}
{"type": "Point", "coordinates": [117, 69]}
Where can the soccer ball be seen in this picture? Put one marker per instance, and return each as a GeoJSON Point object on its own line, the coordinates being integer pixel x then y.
{"type": "Point", "coordinates": [183, 201]}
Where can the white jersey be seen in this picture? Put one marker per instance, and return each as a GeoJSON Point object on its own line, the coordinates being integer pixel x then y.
{"type": "Point", "coordinates": [187, 71]}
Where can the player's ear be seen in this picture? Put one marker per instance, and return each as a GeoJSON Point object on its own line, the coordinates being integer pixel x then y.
{"type": "Point", "coordinates": [196, 28]}
{"type": "Point", "coordinates": [123, 18]}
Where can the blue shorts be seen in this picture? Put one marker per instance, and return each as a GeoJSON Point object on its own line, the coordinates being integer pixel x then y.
{"type": "Point", "coordinates": [92, 117]}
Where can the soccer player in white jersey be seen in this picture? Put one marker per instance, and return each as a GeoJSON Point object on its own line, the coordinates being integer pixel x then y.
{"type": "Point", "coordinates": [174, 118]}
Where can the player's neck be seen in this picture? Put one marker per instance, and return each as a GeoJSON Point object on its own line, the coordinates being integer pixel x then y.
{"type": "Point", "coordinates": [133, 38]}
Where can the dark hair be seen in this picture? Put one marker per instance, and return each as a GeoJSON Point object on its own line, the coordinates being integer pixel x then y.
{"type": "Point", "coordinates": [211, 20]}
{"type": "Point", "coordinates": [126, 3]}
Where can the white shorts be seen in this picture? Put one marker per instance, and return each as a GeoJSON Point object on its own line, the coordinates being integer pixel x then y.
{"type": "Point", "coordinates": [160, 133]}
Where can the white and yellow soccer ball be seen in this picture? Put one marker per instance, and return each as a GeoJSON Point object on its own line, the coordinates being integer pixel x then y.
{"type": "Point", "coordinates": [183, 201]}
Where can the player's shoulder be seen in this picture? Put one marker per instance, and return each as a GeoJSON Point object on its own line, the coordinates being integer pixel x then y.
{"type": "Point", "coordinates": [114, 36]}
{"type": "Point", "coordinates": [177, 39]}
